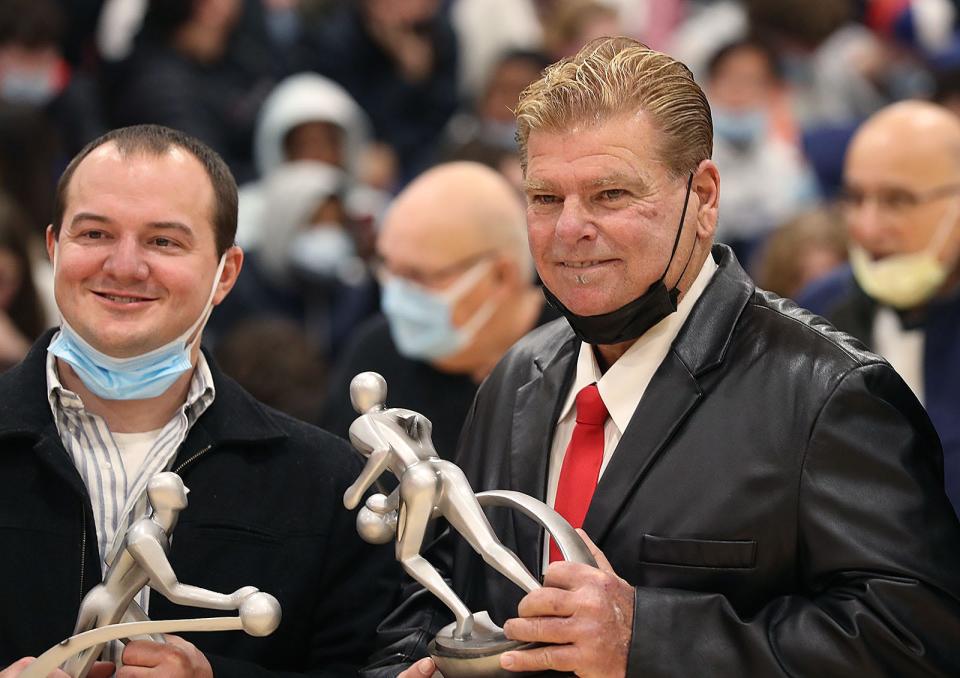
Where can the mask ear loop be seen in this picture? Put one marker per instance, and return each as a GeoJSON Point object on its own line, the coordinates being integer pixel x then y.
{"type": "Point", "coordinates": [674, 293]}
{"type": "Point", "coordinates": [949, 223]}
{"type": "Point", "coordinates": [193, 334]}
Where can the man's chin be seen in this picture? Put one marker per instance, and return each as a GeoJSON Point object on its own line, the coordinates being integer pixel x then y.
{"type": "Point", "coordinates": [125, 346]}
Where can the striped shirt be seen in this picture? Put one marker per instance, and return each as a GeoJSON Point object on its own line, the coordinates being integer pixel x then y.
{"type": "Point", "coordinates": [119, 497]}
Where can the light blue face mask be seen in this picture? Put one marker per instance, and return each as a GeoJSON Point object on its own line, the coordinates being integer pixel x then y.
{"type": "Point", "coordinates": [421, 322]}
{"type": "Point", "coordinates": [742, 128]}
{"type": "Point", "coordinates": [138, 377]}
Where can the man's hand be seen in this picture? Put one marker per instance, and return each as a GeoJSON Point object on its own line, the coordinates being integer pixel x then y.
{"type": "Point", "coordinates": [584, 612]}
{"type": "Point", "coordinates": [99, 669]}
{"type": "Point", "coordinates": [425, 668]}
{"type": "Point", "coordinates": [175, 659]}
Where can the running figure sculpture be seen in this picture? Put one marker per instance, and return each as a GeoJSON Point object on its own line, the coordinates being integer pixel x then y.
{"type": "Point", "coordinates": [142, 560]}
{"type": "Point", "coordinates": [399, 441]}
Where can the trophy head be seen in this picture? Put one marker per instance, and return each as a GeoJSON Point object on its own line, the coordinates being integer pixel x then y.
{"type": "Point", "coordinates": [368, 391]}
{"type": "Point", "coordinates": [167, 492]}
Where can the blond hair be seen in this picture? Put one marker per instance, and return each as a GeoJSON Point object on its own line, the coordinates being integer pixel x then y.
{"type": "Point", "coordinates": [614, 76]}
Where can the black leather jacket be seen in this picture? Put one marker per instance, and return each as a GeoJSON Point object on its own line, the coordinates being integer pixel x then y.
{"type": "Point", "coordinates": [777, 501]}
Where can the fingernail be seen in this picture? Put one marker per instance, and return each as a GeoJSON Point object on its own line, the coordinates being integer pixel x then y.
{"type": "Point", "coordinates": [425, 667]}
{"type": "Point", "coordinates": [506, 661]}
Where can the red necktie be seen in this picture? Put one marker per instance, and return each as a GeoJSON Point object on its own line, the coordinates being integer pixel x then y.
{"type": "Point", "coordinates": [581, 462]}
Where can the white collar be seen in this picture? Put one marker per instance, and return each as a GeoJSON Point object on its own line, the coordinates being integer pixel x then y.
{"type": "Point", "coordinates": [622, 386]}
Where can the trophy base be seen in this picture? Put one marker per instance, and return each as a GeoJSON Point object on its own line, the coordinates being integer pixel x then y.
{"type": "Point", "coordinates": [477, 656]}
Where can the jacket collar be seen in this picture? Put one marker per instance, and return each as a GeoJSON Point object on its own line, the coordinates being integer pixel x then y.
{"type": "Point", "coordinates": [234, 416]}
{"type": "Point", "coordinates": [672, 395]}
{"type": "Point", "coordinates": [704, 339]}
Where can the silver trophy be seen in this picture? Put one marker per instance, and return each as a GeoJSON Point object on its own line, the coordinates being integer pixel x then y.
{"type": "Point", "coordinates": [109, 612]}
{"type": "Point", "coordinates": [399, 440]}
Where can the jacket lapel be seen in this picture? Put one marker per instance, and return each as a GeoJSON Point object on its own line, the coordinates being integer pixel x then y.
{"type": "Point", "coordinates": [534, 420]}
{"type": "Point", "coordinates": [668, 401]}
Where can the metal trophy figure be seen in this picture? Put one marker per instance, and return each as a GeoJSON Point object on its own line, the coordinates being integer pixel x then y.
{"type": "Point", "coordinates": [109, 612]}
{"type": "Point", "coordinates": [399, 441]}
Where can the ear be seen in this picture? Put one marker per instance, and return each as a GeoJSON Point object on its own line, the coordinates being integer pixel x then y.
{"type": "Point", "coordinates": [507, 270]}
{"type": "Point", "coordinates": [231, 271]}
{"type": "Point", "coordinates": [51, 242]}
{"type": "Point", "coordinates": [706, 186]}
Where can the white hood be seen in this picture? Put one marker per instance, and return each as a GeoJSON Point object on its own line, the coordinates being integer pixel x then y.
{"type": "Point", "coordinates": [307, 97]}
{"type": "Point", "coordinates": [291, 194]}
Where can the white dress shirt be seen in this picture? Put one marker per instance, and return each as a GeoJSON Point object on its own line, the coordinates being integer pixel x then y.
{"type": "Point", "coordinates": [902, 348]}
{"type": "Point", "coordinates": [622, 386]}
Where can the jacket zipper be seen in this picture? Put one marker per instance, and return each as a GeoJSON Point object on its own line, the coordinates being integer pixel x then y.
{"type": "Point", "coordinates": [193, 458]}
{"type": "Point", "coordinates": [83, 525]}
{"type": "Point", "coordinates": [83, 548]}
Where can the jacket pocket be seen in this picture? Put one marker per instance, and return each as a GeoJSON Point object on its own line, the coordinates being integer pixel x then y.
{"type": "Point", "coordinates": [709, 553]}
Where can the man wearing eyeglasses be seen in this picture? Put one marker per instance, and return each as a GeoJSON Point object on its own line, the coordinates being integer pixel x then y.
{"type": "Point", "coordinates": [457, 290]}
{"type": "Point", "coordinates": [901, 294]}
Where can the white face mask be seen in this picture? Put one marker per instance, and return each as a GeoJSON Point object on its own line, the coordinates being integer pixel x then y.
{"type": "Point", "coordinates": [909, 279]}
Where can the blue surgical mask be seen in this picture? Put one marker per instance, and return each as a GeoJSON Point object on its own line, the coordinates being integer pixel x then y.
{"type": "Point", "coordinates": [741, 129]}
{"type": "Point", "coordinates": [421, 321]}
{"type": "Point", "coordinates": [136, 378]}
{"type": "Point", "coordinates": [23, 87]}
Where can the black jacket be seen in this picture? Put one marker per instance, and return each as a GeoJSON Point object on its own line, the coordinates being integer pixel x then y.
{"type": "Point", "coordinates": [776, 501]}
{"type": "Point", "coordinates": [265, 510]}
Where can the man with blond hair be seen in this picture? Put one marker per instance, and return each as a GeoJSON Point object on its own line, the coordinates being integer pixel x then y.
{"type": "Point", "coordinates": [765, 496]}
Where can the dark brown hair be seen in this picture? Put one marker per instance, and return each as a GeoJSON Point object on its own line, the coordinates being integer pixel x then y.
{"type": "Point", "coordinates": [156, 140]}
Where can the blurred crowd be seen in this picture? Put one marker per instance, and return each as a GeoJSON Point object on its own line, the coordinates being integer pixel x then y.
{"type": "Point", "coordinates": [326, 110]}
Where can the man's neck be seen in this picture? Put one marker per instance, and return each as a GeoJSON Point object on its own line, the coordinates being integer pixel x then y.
{"type": "Point", "coordinates": [129, 416]}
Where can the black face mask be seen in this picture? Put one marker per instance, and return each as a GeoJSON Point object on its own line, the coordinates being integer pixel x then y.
{"type": "Point", "coordinates": [631, 321]}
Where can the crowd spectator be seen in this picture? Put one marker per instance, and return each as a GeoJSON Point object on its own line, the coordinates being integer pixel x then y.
{"type": "Point", "coordinates": [458, 290]}
{"type": "Point", "coordinates": [486, 133]}
{"type": "Point", "coordinates": [179, 75]}
{"type": "Point", "coordinates": [35, 73]}
{"type": "Point", "coordinates": [901, 296]}
{"type": "Point", "coordinates": [309, 117]}
{"type": "Point", "coordinates": [307, 267]}
{"type": "Point", "coordinates": [749, 145]}
{"type": "Point", "coordinates": [276, 362]}
{"type": "Point", "coordinates": [398, 59]}
{"type": "Point", "coordinates": [803, 250]}
{"type": "Point", "coordinates": [22, 315]}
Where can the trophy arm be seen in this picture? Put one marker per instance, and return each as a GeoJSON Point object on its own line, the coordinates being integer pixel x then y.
{"type": "Point", "coordinates": [151, 556]}
{"type": "Point", "coordinates": [364, 433]}
{"type": "Point", "coordinates": [378, 503]}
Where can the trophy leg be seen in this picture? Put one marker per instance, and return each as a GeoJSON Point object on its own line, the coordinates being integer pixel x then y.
{"type": "Point", "coordinates": [135, 613]}
{"type": "Point", "coordinates": [420, 488]}
{"type": "Point", "coordinates": [463, 512]}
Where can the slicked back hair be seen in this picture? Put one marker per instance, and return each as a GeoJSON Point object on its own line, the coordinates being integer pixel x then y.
{"type": "Point", "coordinates": [609, 77]}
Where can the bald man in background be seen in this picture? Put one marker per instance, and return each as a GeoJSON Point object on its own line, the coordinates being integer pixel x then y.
{"type": "Point", "coordinates": [458, 289]}
{"type": "Point", "coordinates": [901, 294]}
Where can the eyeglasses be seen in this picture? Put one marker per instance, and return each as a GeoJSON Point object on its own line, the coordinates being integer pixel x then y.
{"type": "Point", "coordinates": [893, 200]}
{"type": "Point", "coordinates": [434, 278]}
